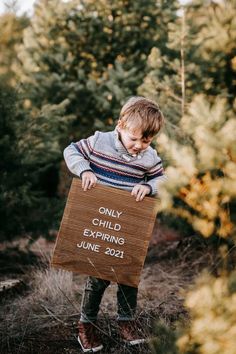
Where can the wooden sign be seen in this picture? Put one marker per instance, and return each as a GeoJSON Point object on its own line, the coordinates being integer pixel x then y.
{"type": "Point", "coordinates": [104, 233]}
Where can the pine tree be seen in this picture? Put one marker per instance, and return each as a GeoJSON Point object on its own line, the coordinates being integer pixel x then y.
{"type": "Point", "coordinates": [11, 29]}
{"type": "Point", "coordinates": [30, 156]}
{"type": "Point", "coordinates": [201, 186]}
{"type": "Point", "coordinates": [83, 50]}
{"type": "Point", "coordinates": [201, 166]}
{"type": "Point", "coordinates": [15, 189]}
{"type": "Point", "coordinates": [212, 303]}
{"type": "Point", "coordinates": [200, 59]}
{"type": "Point", "coordinates": [166, 80]}
{"type": "Point", "coordinates": [213, 40]}
{"type": "Point", "coordinates": [199, 150]}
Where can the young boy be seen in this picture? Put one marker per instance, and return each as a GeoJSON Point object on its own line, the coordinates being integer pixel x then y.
{"type": "Point", "coordinates": [124, 159]}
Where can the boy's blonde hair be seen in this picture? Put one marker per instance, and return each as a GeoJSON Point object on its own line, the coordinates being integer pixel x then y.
{"type": "Point", "coordinates": [141, 113]}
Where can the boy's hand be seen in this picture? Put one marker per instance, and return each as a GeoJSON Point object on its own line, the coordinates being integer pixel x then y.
{"type": "Point", "coordinates": [88, 180]}
{"type": "Point", "coordinates": [139, 191]}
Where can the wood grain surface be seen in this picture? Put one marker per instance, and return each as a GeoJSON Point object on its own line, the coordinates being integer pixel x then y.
{"type": "Point", "coordinates": [104, 232]}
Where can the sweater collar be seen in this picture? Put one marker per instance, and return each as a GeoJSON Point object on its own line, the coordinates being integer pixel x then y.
{"type": "Point", "coordinates": [124, 154]}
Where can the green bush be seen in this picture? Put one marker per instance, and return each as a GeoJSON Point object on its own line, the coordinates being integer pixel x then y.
{"type": "Point", "coordinates": [30, 155]}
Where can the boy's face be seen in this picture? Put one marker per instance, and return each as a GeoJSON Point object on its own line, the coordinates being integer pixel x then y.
{"type": "Point", "coordinates": [132, 139]}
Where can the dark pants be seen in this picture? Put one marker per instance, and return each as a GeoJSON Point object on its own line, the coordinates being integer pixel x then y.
{"type": "Point", "coordinates": [92, 296]}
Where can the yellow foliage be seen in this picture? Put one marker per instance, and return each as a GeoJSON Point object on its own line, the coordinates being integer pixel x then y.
{"type": "Point", "coordinates": [233, 63]}
{"type": "Point", "coordinates": [202, 176]}
{"type": "Point", "coordinates": [204, 195]}
{"type": "Point", "coordinates": [212, 308]}
{"type": "Point", "coordinates": [205, 227]}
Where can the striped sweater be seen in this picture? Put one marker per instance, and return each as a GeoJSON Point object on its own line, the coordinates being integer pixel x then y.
{"type": "Point", "coordinates": [105, 155]}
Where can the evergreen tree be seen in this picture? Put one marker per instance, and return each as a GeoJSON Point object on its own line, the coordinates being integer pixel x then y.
{"type": "Point", "coordinates": [199, 150]}
{"type": "Point", "coordinates": [201, 159]}
{"type": "Point", "coordinates": [201, 186]}
{"type": "Point", "coordinates": [87, 52]}
{"type": "Point", "coordinates": [212, 33]}
{"type": "Point", "coordinates": [201, 59]}
{"type": "Point", "coordinates": [166, 80]}
{"type": "Point", "coordinates": [29, 163]}
{"type": "Point", "coordinates": [212, 304]}
{"type": "Point", "coordinates": [11, 29]}
{"type": "Point", "coordinates": [15, 188]}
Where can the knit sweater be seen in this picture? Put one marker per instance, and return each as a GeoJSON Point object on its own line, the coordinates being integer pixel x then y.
{"type": "Point", "coordinates": [105, 155]}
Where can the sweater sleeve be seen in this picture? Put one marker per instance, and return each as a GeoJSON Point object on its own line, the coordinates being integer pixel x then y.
{"type": "Point", "coordinates": [77, 155]}
{"type": "Point", "coordinates": [155, 175]}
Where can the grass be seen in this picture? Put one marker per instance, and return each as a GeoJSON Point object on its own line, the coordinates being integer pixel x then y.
{"type": "Point", "coordinates": [44, 318]}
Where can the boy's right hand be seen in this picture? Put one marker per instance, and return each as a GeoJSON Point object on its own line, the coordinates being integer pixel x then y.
{"type": "Point", "coordinates": [89, 180]}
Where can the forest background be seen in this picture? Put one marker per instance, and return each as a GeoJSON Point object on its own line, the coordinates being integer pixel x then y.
{"type": "Point", "coordinates": [65, 72]}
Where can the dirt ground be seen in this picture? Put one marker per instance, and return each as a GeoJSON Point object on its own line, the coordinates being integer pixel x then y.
{"type": "Point", "coordinates": [170, 267]}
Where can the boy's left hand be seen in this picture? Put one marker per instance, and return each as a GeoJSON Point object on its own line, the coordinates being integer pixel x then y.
{"type": "Point", "coordinates": [139, 191]}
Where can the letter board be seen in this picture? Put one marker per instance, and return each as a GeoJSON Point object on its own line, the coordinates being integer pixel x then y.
{"type": "Point", "coordinates": [105, 233]}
